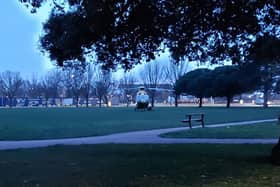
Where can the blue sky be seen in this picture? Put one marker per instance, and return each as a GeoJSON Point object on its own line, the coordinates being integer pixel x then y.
{"type": "Point", "coordinates": [19, 34]}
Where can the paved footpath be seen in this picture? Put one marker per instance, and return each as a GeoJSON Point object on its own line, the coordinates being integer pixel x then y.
{"type": "Point", "coordinates": [140, 137]}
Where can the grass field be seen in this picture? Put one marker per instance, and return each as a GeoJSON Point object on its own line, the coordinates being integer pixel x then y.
{"type": "Point", "coordinates": [265, 130]}
{"type": "Point", "coordinates": [139, 166]}
{"type": "Point", "coordinates": [115, 165]}
{"type": "Point", "coordinates": [45, 123]}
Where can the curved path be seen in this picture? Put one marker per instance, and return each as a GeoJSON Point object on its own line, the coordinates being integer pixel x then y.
{"type": "Point", "coordinates": [139, 137]}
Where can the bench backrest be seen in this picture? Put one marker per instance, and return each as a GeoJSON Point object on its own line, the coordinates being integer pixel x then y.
{"type": "Point", "coordinates": [195, 114]}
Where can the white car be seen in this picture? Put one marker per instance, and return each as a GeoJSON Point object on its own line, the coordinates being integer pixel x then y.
{"type": "Point", "coordinates": [259, 101]}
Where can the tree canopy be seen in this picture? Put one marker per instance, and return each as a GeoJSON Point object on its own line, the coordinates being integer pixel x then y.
{"type": "Point", "coordinates": [226, 82]}
{"type": "Point", "coordinates": [197, 83]}
{"type": "Point", "coordinates": [223, 81]}
{"type": "Point", "coordinates": [126, 32]}
{"type": "Point", "coordinates": [266, 50]}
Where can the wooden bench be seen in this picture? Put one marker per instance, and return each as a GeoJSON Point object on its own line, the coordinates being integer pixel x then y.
{"type": "Point", "coordinates": [198, 117]}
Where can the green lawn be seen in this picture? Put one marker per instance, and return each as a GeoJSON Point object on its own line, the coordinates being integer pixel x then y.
{"type": "Point", "coordinates": [265, 130]}
{"type": "Point", "coordinates": [44, 123]}
{"type": "Point", "coordinates": [139, 166]}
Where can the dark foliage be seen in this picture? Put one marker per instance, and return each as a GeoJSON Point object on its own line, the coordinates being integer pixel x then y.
{"type": "Point", "coordinates": [224, 81]}
{"type": "Point", "coordinates": [265, 53]}
{"type": "Point", "coordinates": [229, 81]}
{"type": "Point", "coordinates": [124, 32]}
{"type": "Point", "coordinates": [197, 83]}
{"type": "Point", "coordinates": [266, 50]}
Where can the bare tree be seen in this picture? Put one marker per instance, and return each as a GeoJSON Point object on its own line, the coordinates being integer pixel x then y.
{"type": "Point", "coordinates": [50, 85]}
{"type": "Point", "coordinates": [173, 72]}
{"type": "Point", "coordinates": [87, 88]}
{"type": "Point", "coordinates": [10, 83]}
{"type": "Point", "coordinates": [103, 84]}
{"type": "Point", "coordinates": [151, 75]}
{"type": "Point", "coordinates": [33, 87]}
{"type": "Point", "coordinates": [127, 85]}
{"type": "Point", "coordinates": [74, 80]}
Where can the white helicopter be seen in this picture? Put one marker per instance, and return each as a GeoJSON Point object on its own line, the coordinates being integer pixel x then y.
{"type": "Point", "coordinates": [142, 99]}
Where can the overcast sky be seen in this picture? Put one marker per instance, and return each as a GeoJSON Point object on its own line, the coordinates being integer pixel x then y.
{"type": "Point", "coordinates": [19, 34]}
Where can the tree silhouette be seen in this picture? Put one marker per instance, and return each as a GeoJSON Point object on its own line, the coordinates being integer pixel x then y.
{"type": "Point", "coordinates": [126, 32]}
{"type": "Point", "coordinates": [265, 52]}
{"type": "Point", "coordinates": [10, 83]}
{"type": "Point", "coordinates": [197, 83]}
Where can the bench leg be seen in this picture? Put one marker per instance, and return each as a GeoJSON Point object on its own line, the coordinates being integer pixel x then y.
{"type": "Point", "coordinates": [190, 121]}
{"type": "Point", "coordinates": [202, 120]}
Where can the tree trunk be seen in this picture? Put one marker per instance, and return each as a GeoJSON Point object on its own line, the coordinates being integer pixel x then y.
{"type": "Point", "coordinates": [265, 98]}
{"type": "Point", "coordinates": [152, 94]}
{"type": "Point", "coordinates": [228, 101]}
{"type": "Point", "coordinates": [152, 101]}
{"type": "Point", "coordinates": [100, 99]}
{"type": "Point", "coordinates": [61, 101]}
{"type": "Point", "coordinates": [267, 85]}
{"type": "Point", "coordinates": [126, 97]}
{"type": "Point", "coordinates": [176, 100]}
{"type": "Point", "coordinates": [77, 101]}
{"type": "Point", "coordinates": [10, 102]}
{"type": "Point", "coordinates": [87, 101]}
{"type": "Point", "coordinates": [47, 101]}
{"type": "Point", "coordinates": [275, 154]}
{"type": "Point", "coordinates": [2, 101]}
{"type": "Point", "coordinates": [127, 101]}
{"type": "Point", "coordinates": [106, 100]}
{"type": "Point", "coordinates": [200, 102]}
